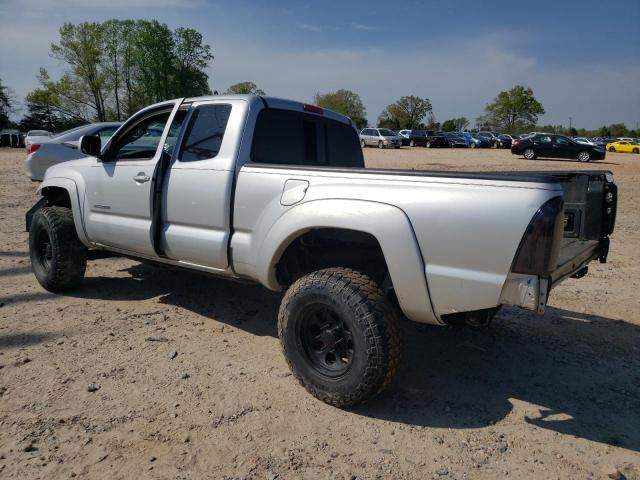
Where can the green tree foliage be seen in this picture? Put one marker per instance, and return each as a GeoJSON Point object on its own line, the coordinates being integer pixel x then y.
{"type": "Point", "coordinates": [408, 112]}
{"type": "Point", "coordinates": [244, 88]}
{"type": "Point", "coordinates": [116, 67]}
{"type": "Point", "coordinates": [455, 124]}
{"type": "Point", "coordinates": [512, 111]}
{"type": "Point", "coordinates": [345, 102]}
{"type": "Point", "coordinates": [6, 106]}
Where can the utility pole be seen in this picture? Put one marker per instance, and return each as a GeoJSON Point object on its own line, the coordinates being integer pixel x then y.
{"type": "Point", "coordinates": [569, 125]}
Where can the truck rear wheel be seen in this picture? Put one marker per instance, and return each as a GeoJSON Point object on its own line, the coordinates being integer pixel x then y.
{"type": "Point", "coordinates": [339, 335]}
{"type": "Point", "coordinates": [58, 258]}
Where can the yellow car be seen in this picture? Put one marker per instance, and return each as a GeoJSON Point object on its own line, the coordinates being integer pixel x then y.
{"type": "Point", "coordinates": [623, 146]}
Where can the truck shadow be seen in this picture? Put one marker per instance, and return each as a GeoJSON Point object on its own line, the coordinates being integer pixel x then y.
{"type": "Point", "coordinates": [577, 373]}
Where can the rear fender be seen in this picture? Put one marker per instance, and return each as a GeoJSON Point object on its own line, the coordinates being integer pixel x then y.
{"type": "Point", "coordinates": [388, 224]}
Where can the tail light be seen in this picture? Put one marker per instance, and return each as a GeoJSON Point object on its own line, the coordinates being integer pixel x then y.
{"type": "Point", "coordinates": [32, 147]}
{"type": "Point", "coordinates": [540, 245]}
{"type": "Point", "coordinates": [515, 143]}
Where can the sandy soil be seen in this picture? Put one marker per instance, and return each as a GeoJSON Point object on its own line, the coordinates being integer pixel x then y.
{"type": "Point", "coordinates": [555, 396]}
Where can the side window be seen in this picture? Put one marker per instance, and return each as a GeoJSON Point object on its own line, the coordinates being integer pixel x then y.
{"type": "Point", "coordinates": [544, 139]}
{"type": "Point", "coordinates": [174, 131]}
{"type": "Point", "coordinates": [343, 148]}
{"type": "Point", "coordinates": [296, 138]}
{"type": "Point", "coordinates": [561, 141]}
{"type": "Point", "coordinates": [205, 132]}
{"type": "Point", "coordinates": [141, 141]}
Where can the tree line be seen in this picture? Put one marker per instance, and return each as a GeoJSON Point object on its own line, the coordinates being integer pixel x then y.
{"type": "Point", "coordinates": [114, 68]}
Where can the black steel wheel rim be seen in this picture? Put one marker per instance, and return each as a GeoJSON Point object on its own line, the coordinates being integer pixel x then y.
{"type": "Point", "coordinates": [326, 341]}
{"type": "Point", "coordinates": [44, 249]}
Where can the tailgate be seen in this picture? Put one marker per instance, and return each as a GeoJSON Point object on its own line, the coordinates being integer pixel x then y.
{"type": "Point", "coordinates": [590, 200]}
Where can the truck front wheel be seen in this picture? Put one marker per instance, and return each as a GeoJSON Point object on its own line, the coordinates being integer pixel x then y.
{"type": "Point", "coordinates": [58, 258]}
{"type": "Point", "coordinates": [339, 335]}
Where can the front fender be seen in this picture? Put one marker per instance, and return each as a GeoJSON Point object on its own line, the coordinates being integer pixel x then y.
{"type": "Point", "coordinates": [76, 203]}
{"type": "Point", "coordinates": [388, 224]}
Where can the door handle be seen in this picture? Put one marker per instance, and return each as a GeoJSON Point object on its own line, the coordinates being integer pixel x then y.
{"type": "Point", "coordinates": [141, 178]}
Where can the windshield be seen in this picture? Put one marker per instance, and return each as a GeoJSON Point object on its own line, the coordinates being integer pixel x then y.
{"type": "Point", "coordinates": [386, 132]}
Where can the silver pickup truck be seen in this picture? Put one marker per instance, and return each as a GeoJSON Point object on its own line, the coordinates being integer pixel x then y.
{"type": "Point", "coordinates": [275, 192]}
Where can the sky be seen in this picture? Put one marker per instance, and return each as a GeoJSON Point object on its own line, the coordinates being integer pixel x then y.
{"type": "Point", "coordinates": [581, 58]}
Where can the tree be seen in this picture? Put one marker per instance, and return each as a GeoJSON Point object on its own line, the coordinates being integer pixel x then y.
{"type": "Point", "coordinates": [116, 67]}
{"type": "Point", "coordinates": [244, 88]}
{"type": "Point", "coordinates": [408, 112]}
{"type": "Point", "coordinates": [455, 124]}
{"type": "Point", "coordinates": [6, 106]}
{"type": "Point", "coordinates": [191, 58]}
{"type": "Point", "coordinates": [345, 102]}
{"type": "Point", "coordinates": [513, 110]}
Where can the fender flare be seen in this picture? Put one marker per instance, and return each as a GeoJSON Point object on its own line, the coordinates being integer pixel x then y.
{"type": "Point", "coordinates": [388, 224]}
{"type": "Point", "coordinates": [76, 203]}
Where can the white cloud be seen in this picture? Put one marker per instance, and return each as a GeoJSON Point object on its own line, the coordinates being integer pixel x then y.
{"type": "Point", "coordinates": [368, 28]}
{"type": "Point", "coordinates": [310, 28]}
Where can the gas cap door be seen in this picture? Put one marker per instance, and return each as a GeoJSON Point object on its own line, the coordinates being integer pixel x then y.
{"type": "Point", "coordinates": [293, 191]}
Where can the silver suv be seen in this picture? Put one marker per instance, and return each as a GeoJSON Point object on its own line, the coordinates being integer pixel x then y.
{"type": "Point", "coordinates": [379, 137]}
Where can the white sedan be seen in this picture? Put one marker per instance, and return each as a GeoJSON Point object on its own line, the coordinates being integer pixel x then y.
{"type": "Point", "coordinates": [42, 152]}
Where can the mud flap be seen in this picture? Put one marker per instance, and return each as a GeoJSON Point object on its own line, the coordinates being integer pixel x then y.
{"type": "Point", "coordinates": [29, 215]}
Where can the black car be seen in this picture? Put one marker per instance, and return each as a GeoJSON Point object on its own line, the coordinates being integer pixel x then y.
{"type": "Point", "coordinates": [505, 140]}
{"type": "Point", "coordinates": [437, 139]}
{"type": "Point", "coordinates": [413, 137]}
{"type": "Point", "coordinates": [556, 146]}
{"type": "Point", "coordinates": [455, 140]}
{"type": "Point", "coordinates": [490, 137]}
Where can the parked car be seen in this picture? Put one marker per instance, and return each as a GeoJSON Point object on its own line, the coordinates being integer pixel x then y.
{"type": "Point", "coordinates": [476, 142]}
{"type": "Point", "coordinates": [455, 140]}
{"type": "Point", "coordinates": [505, 140]}
{"type": "Point", "coordinates": [490, 137]}
{"type": "Point", "coordinates": [379, 137]}
{"type": "Point", "coordinates": [275, 192]}
{"type": "Point", "coordinates": [437, 140]}
{"type": "Point", "coordinates": [43, 153]}
{"type": "Point", "coordinates": [623, 146]}
{"type": "Point", "coordinates": [556, 146]}
{"type": "Point", "coordinates": [35, 136]}
{"type": "Point", "coordinates": [413, 137]}
{"type": "Point", "coordinates": [10, 137]}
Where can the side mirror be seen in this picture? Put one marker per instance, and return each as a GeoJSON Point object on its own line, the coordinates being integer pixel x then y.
{"type": "Point", "coordinates": [91, 145]}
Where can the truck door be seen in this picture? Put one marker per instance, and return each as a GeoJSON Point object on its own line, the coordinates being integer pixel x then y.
{"type": "Point", "coordinates": [118, 201]}
{"type": "Point", "coordinates": [197, 190]}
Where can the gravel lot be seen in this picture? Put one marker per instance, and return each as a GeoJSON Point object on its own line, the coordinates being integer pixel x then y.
{"type": "Point", "coordinates": [191, 382]}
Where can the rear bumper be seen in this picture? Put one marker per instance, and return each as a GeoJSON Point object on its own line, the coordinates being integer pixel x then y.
{"type": "Point", "coordinates": [532, 291]}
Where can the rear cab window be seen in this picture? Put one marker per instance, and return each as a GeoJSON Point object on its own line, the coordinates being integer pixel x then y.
{"type": "Point", "coordinates": [287, 137]}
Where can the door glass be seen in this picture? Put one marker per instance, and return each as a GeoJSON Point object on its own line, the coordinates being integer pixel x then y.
{"type": "Point", "coordinates": [141, 141]}
{"type": "Point", "coordinates": [174, 131]}
{"type": "Point", "coordinates": [205, 132]}
{"type": "Point", "coordinates": [105, 134]}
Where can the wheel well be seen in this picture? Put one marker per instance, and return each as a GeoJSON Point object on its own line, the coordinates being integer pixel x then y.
{"type": "Point", "coordinates": [57, 196]}
{"type": "Point", "coordinates": [332, 247]}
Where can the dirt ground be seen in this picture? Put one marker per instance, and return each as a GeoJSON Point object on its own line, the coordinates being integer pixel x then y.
{"type": "Point", "coordinates": [192, 383]}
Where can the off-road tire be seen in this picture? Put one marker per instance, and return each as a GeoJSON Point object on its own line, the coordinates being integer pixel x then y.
{"type": "Point", "coordinates": [530, 154]}
{"type": "Point", "coordinates": [360, 305]}
{"type": "Point", "coordinates": [58, 259]}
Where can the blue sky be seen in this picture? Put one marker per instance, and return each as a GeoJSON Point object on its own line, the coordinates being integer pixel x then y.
{"type": "Point", "coordinates": [582, 58]}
